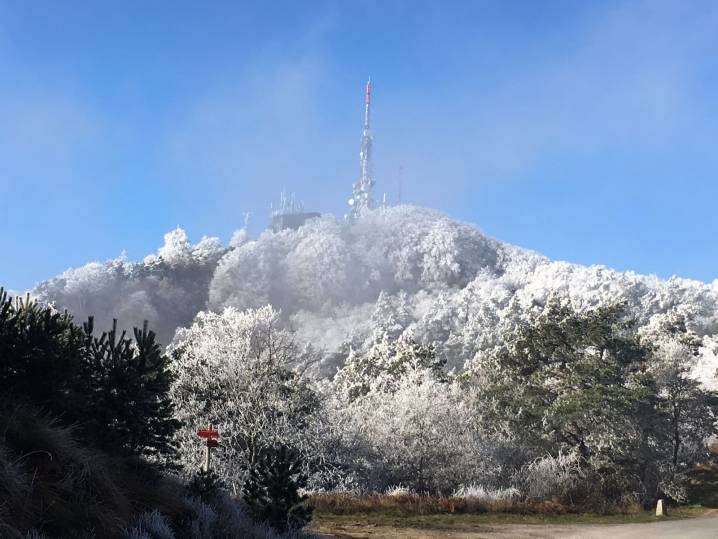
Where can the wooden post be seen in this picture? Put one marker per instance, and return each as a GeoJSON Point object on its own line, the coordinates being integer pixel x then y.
{"type": "Point", "coordinates": [207, 452]}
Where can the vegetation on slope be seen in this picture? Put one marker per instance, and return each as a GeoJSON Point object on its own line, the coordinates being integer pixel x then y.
{"type": "Point", "coordinates": [87, 436]}
{"type": "Point", "coordinates": [574, 410]}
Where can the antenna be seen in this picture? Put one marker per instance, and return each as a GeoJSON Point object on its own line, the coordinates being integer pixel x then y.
{"type": "Point", "coordinates": [361, 197]}
{"type": "Point", "coordinates": [288, 205]}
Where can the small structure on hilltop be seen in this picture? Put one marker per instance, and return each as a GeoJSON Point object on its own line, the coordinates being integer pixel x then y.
{"type": "Point", "coordinates": [289, 214]}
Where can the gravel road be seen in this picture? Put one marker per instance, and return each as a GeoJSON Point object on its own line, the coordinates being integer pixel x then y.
{"type": "Point", "coordinates": [692, 528]}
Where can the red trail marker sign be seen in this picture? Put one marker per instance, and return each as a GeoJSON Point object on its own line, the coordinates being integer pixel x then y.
{"type": "Point", "coordinates": [208, 433]}
{"type": "Point", "coordinates": [210, 436]}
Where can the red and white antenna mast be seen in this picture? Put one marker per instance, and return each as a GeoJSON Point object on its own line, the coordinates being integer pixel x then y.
{"type": "Point", "coordinates": [367, 103]}
{"type": "Point", "coordinates": [362, 198]}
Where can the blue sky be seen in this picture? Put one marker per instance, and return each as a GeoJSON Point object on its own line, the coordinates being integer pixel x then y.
{"type": "Point", "coordinates": [585, 131]}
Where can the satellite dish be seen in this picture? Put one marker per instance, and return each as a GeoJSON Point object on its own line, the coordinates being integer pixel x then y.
{"type": "Point", "coordinates": [351, 201]}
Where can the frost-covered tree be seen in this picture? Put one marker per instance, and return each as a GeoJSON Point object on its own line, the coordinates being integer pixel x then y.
{"type": "Point", "coordinates": [391, 316]}
{"type": "Point", "coordinates": [414, 268]}
{"type": "Point", "coordinates": [690, 409]}
{"type": "Point", "coordinates": [177, 247]}
{"type": "Point", "coordinates": [383, 365]}
{"type": "Point", "coordinates": [233, 371]}
{"type": "Point", "coordinates": [419, 435]}
{"type": "Point", "coordinates": [418, 431]}
{"type": "Point", "coordinates": [166, 289]}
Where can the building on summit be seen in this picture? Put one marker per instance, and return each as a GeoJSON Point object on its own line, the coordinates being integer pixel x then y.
{"type": "Point", "coordinates": [289, 214]}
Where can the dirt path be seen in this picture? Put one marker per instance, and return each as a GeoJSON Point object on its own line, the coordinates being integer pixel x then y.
{"type": "Point", "coordinates": [693, 528]}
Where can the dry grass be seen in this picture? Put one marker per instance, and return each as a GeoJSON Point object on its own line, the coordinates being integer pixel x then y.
{"type": "Point", "coordinates": [411, 515]}
{"type": "Point", "coordinates": [49, 480]}
{"type": "Point", "coordinates": [52, 484]}
{"type": "Point", "coordinates": [410, 504]}
{"type": "Point", "coordinates": [464, 526]}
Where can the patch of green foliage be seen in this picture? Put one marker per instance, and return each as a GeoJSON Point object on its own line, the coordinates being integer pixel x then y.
{"type": "Point", "coordinates": [272, 489]}
{"type": "Point", "coordinates": [206, 485]}
{"type": "Point", "coordinates": [585, 382]}
{"type": "Point", "coordinates": [112, 389]}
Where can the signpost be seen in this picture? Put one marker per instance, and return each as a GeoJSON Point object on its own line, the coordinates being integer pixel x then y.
{"type": "Point", "coordinates": [209, 433]}
{"type": "Point", "coordinates": [211, 438]}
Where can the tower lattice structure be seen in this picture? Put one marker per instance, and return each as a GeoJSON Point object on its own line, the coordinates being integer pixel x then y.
{"type": "Point", "coordinates": [362, 195]}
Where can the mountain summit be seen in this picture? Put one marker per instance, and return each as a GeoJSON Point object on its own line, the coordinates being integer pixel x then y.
{"type": "Point", "coordinates": [393, 270]}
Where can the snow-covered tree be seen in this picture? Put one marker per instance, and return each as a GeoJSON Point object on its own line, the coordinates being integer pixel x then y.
{"type": "Point", "coordinates": [384, 364]}
{"type": "Point", "coordinates": [167, 289]}
{"type": "Point", "coordinates": [391, 315]}
{"type": "Point", "coordinates": [418, 270]}
{"type": "Point", "coordinates": [418, 431]}
{"type": "Point", "coordinates": [425, 353]}
{"type": "Point", "coordinates": [690, 409]}
{"type": "Point", "coordinates": [233, 371]}
{"type": "Point", "coordinates": [177, 247]}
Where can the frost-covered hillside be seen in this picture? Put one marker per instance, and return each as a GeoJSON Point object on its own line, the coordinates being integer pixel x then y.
{"type": "Point", "coordinates": [395, 270]}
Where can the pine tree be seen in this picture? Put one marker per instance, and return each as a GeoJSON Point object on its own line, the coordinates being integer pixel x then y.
{"type": "Point", "coordinates": [114, 389]}
{"type": "Point", "coordinates": [127, 392]}
{"type": "Point", "coordinates": [272, 489]}
{"type": "Point", "coordinates": [39, 353]}
{"type": "Point", "coordinates": [579, 382]}
{"type": "Point", "coordinates": [206, 485]}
